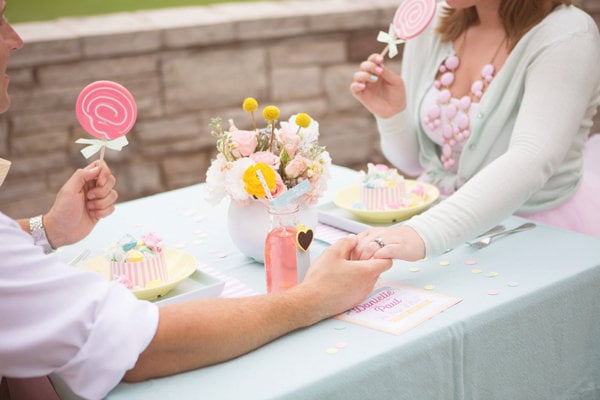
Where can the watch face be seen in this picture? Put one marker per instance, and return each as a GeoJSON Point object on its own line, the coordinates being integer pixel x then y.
{"type": "Point", "coordinates": [4, 166]}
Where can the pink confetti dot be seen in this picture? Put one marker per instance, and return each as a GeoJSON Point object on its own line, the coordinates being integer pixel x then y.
{"type": "Point", "coordinates": [493, 292]}
{"type": "Point", "coordinates": [470, 262]}
{"type": "Point", "coordinates": [341, 345]}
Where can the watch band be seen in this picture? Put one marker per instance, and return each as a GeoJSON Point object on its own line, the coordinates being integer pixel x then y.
{"type": "Point", "coordinates": [36, 227]}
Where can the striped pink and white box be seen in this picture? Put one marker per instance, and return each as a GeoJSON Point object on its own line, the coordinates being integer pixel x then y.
{"type": "Point", "coordinates": [141, 272]}
{"type": "Point", "coordinates": [382, 198]}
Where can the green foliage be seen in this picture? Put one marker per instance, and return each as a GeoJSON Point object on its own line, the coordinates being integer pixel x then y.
{"type": "Point", "coordinates": [44, 10]}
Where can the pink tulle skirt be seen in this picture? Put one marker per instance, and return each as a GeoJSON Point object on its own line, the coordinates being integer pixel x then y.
{"type": "Point", "coordinates": [581, 213]}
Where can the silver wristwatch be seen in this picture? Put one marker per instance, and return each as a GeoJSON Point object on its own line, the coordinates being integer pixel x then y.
{"type": "Point", "coordinates": [36, 227]}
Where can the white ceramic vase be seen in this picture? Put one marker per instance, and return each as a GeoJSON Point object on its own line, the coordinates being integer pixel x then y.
{"type": "Point", "coordinates": [248, 226]}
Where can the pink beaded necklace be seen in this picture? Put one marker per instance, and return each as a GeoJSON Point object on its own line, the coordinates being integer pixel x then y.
{"type": "Point", "coordinates": [456, 125]}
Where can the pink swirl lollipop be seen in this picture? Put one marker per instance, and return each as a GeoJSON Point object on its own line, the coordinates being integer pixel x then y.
{"type": "Point", "coordinates": [413, 17]}
{"type": "Point", "coordinates": [107, 111]}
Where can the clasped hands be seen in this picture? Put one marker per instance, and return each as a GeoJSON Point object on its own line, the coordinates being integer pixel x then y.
{"type": "Point", "coordinates": [401, 242]}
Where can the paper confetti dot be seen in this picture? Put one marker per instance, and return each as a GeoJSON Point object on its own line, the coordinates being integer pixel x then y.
{"type": "Point", "coordinates": [470, 262]}
{"type": "Point", "coordinates": [331, 350]}
{"type": "Point", "coordinates": [222, 255]}
{"type": "Point", "coordinates": [493, 292]}
{"type": "Point", "coordinates": [414, 269]}
{"type": "Point", "coordinates": [191, 212]}
{"type": "Point", "coordinates": [340, 327]}
{"type": "Point", "coordinates": [429, 287]}
{"type": "Point", "coordinates": [476, 271]}
{"type": "Point", "coordinates": [492, 274]}
{"type": "Point", "coordinates": [513, 284]}
{"type": "Point", "coordinates": [198, 241]}
{"type": "Point", "coordinates": [341, 345]}
{"type": "Point", "coordinates": [444, 263]}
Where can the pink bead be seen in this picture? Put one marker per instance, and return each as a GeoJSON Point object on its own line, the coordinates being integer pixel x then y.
{"type": "Point", "coordinates": [452, 62]}
{"type": "Point", "coordinates": [434, 111]}
{"type": "Point", "coordinates": [437, 123]}
{"type": "Point", "coordinates": [447, 151]}
{"type": "Point", "coordinates": [479, 94]}
{"type": "Point", "coordinates": [447, 131]}
{"type": "Point", "coordinates": [426, 120]}
{"type": "Point", "coordinates": [444, 96]}
{"type": "Point", "coordinates": [463, 121]}
{"type": "Point", "coordinates": [431, 126]}
{"type": "Point", "coordinates": [452, 142]}
{"type": "Point", "coordinates": [437, 84]}
{"type": "Point", "coordinates": [460, 137]}
{"type": "Point", "coordinates": [466, 133]}
{"type": "Point", "coordinates": [488, 69]}
{"type": "Point", "coordinates": [476, 87]}
{"type": "Point", "coordinates": [455, 130]}
{"type": "Point", "coordinates": [443, 69]}
{"type": "Point", "coordinates": [447, 79]}
{"type": "Point", "coordinates": [488, 78]}
{"type": "Point", "coordinates": [464, 103]}
{"type": "Point", "coordinates": [451, 111]}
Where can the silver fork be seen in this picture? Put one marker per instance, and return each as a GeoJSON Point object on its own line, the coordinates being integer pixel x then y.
{"type": "Point", "coordinates": [484, 242]}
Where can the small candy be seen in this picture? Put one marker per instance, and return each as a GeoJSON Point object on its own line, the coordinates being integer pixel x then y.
{"type": "Point", "coordinates": [429, 287]}
{"type": "Point", "coordinates": [134, 256]}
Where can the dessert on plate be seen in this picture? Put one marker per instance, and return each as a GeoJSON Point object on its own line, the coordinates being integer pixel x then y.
{"type": "Point", "coordinates": [139, 264]}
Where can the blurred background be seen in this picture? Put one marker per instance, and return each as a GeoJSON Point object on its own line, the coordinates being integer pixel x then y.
{"type": "Point", "coordinates": [183, 65]}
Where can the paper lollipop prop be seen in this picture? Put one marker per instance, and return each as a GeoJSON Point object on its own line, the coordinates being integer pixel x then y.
{"type": "Point", "coordinates": [108, 111]}
{"type": "Point", "coordinates": [411, 19]}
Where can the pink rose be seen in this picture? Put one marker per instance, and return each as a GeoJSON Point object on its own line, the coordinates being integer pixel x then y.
{"type": "Point", "coordinates": [152, 240]}
{"type": "Point", "coordinates": [290, 140]}
{"type": "Point", "coordinates": [296, 167]}
{"type": "Point", "coordinates": [267, 157]}
{"type": "Point", "coordinates": [244, 143]}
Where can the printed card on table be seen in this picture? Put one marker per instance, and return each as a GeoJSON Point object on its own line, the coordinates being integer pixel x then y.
{"type": "Point", "coordinates": [396, 308]}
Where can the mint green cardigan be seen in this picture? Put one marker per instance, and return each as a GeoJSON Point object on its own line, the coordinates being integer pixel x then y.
{"type": "Point", "coordinates": [525, 152]}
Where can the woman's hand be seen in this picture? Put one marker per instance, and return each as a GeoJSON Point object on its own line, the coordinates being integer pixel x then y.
{"type": "Point", "coordinates": [401, 242]}
{"type": "Point", "coordinates": [381, 91]}
{"type": "Point", "coordinates": [86, 197]}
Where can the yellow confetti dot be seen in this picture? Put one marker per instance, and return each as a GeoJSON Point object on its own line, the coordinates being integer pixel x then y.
{"type": "Point", "coordinates": [414, 269]}
{"type": "Point", "coordinates": [476, 271]}
{"type": "Point", "coordinates": [492, 274]}
{"type": "Point", "coordinates": [429, 287]}
{"type": "Point", "coordinates": [444, 263]}
{"type": "Point", "coordinates": [331, 350]}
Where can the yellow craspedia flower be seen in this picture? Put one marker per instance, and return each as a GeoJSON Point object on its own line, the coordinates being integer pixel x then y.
{"type": "Point", "coordinates": [303, 120]}
{"type": "Point", "coordinates": [252, 183]}
{"type": "Point", "coordinates": [271, 113]}
{"type": "Point", "coordinates": [250, 104]}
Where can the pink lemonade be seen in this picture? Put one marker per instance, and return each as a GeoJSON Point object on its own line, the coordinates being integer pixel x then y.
{"type": "Point", "coordinates": [280, 259]}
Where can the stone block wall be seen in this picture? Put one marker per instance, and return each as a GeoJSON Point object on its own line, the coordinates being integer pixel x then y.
{"type": "Point", "coordinates": [184, 66]}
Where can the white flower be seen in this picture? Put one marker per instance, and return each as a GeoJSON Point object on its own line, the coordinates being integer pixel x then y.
{"type": "Point", "coordinates": [214, 180]}
{"type": "Point", "coordinates": [234, 181]}
{"type": "Point", "coordinates": [308, 135]}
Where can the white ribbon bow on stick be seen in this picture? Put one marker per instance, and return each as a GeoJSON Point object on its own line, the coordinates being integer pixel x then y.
{"type": "Point", "coordinates": [391, 40]}
{"type": "Point", "coordinates": [96, 144]}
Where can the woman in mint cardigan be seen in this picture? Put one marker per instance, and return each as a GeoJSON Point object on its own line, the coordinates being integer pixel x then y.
{"type": "Point", "coordinates": [494, 106]}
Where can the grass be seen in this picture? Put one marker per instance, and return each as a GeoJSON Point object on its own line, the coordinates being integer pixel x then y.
{"type": "Point", "coordinates": [44, 10]}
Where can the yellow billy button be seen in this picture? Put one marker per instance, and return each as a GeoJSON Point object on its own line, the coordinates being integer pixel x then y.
{"type": "Point", "coordinates": [134, 256]}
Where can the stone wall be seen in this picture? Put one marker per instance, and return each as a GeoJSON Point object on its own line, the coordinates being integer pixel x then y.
{"type": "Point", "coordinates": [185, 66]}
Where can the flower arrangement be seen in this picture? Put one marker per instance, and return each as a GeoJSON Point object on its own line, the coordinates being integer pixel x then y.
{"type": "Point", "coordinates": [263, 163]}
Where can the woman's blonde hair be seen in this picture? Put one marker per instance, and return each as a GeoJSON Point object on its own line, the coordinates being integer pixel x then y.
{"type": "Point", "coordinates": [518, 17]}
